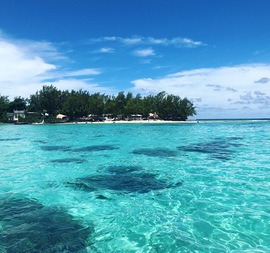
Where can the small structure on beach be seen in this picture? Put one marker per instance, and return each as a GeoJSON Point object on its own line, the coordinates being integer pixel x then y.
{"type": "Point", "coordinates": [136, 117]}
{"type": "Point", "coordinates": [23, 116]}
{"type": "Point", "coordinates": [62, 118]}
{"type": "Point", "coordinates": [153, 115]}
{"type": "Point", "coordinates": [16, 115]}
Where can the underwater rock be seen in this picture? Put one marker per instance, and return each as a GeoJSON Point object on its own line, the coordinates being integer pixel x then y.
{"type": "Point", "coordinates": [210, 148]}
{"type": "Point", "coordinates": [40, 141]}
{"type": "Point", "coordinates": [218, 149]}
{"type": "Point", "coordinates": [140, 183]}
{"type": "Point", "coordinates": [155, 152]}
{"type": "Point", "coordinates": [99, 135]}
{"type": "Point", "coordinates": [11, 139]}
{"type": "Point", "coordinates": [27, 226]}
{"type": "Point", "coordinates": [56, 148]}
{"type": "Point", "coordinates": [69, 160]}
{"type": "Point", "coordinates": [95, 148]}
{"type": "Point", "coordinates": [79, 184]}
{"type": "Point", "coordinates": [123, 169]}
{"type": "Point", "coordinates": [102, 197]}
{"type": "Point", "coordinates": [234, 138]}
{"type": "Point", "coordinates": [124, 179]}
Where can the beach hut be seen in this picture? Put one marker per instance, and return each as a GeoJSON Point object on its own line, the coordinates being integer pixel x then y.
{"type": "Point", "coordinates": [16, 115]}
{"type": "Point", "coordinates": [153, 115]}
{"type": "Point", "coordinates": [62, 117]}
{"type": "Point", "coordinates": [136, 117]}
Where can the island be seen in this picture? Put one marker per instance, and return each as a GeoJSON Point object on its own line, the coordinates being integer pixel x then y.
{"type": "Point", "coordinates": [51, 105]}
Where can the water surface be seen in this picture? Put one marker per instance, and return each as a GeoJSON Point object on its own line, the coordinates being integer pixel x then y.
{"type": "Point", "coordinates": [135, 188]}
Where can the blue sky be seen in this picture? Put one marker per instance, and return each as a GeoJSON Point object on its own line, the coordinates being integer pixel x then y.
{"type": "Point", "coordinates": [216, 53]}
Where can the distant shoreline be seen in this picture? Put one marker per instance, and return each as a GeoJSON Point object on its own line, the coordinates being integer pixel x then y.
{"type": "Point", "coordinates": [125, 122]}
{"type": "Point", "coordinates": [133, 122]}
{"type": "Point", "coordinates": [107, 122]}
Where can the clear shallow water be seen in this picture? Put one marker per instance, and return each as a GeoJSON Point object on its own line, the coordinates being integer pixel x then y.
{"type": "Point", "coordinates": [135, 188]}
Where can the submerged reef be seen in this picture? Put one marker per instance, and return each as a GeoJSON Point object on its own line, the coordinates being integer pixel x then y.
{"type": "Point", "coordinates": [83, 149]}
{"type": "Point", "coordinates": [55, 148]}
{"type": "Point", "coordinates": [155, 152]}
{"type": "Point", "coordinates": [28, 226]}
{"type": "Point", "coordinates": [69, 160]}
{"type": "Point", "coordinates": [11, 139]}
{"type": "Point", "coordinates": [95, 148]}
{"type": "Point", "coordinates": [219, 148]}
{"type": "Point", "coordinates": [122, 178]}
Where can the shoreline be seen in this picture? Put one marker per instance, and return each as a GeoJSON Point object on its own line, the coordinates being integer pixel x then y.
{"type": "Point", "coordinates": [132, 122]}
{"type": "Point", "coordinates": [197, 121]}
{"type": "Point", "coordinates": [108, 122]}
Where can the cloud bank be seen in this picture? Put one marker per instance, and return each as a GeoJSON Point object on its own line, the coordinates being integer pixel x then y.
{"type": "Point", "coordinates": [217, 92]}
{"type": "Point", "coordinates": [26, 66]}
{"type": "Point", "coordinates": [222, 92]}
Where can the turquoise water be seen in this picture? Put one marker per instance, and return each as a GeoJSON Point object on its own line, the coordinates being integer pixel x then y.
{"type": "Point", "coordinates": [135, 188]}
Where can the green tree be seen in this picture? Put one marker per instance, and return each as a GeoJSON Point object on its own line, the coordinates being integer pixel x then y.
{"type": "Point", "coordinates": [80, 103]}
{"type": "Point", "coordinates": [172, 107]}
{"type": "Point", "coordinates": [75, 104]}
{"type": "Point", "coordinates": [96, 104]}
{"type": "Point", "coordinates": [133, 105]}
{"type": "Point", "coordinates": [148, 105]}
{"type": "Point", "coordinates": [120, 103]}
{"type": "Point", "coordinates": [158, 103]}
{"type": "Point", "coordinates": [4, 104]}
{"type": "Point", "coordinates": [110, 106]}
{"type": "Point", "coordinates": [187, 109]}
{"type": "Point", "coordinates": [18, 103]}
{"type": "Point", "coordinates": [49, 99]}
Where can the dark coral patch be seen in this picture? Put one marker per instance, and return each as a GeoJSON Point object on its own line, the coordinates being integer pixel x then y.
{"type": "Point", "coordinates": [155, 152]}
{"type": "Point", "coordinates": [28, 226]}
{"type": "Point", "coordinates": [140, 183]}
{"type": "Point", "coordinates": [11, 139]}
{"type": "Point", "coordinates": [69, 160]}
{"type": "Point", "coordinates": [124, 179]}
{"type": "Point", "coordinates": [82, 185]}
{"type": "Point", "coordinates": [95, 148]}
{"type": "Point", "coordinates": [41, 142]}
{"type": "Point", "coordinates": [209, 147]}
{"type": "Point", "coordinates": [102, 197]}
{"type": "Point", "coordinates": [55, 148]}
{"type": "Point", "coordinates": [123, 169]}
{"type": "Point", "coordinates": [218, 149]}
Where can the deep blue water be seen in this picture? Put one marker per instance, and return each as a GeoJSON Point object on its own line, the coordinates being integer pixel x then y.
{"type": "Point", "coordinates": [135, 187]}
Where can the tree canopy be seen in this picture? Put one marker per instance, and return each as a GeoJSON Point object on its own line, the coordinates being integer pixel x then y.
{"type": "Point", "coordinates": [76, 104]}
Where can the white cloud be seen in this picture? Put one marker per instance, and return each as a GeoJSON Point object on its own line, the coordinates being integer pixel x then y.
{"type": "Point", "coordinates": [221, 91]}
{"type": "Point", "coordinates": [43, 49]}
{"type": "Point", "coordinates": [263, 80]}
{"type": "Point", "coordinates": [26, 66]}
{"type": "Point", "coordinates": [17, 66]}
{"type": "Point", "coordinates": [84, 84]}
{"type": "Point", "coordinates": [131, 41]}
{"type": "Point", "coordinates": [188, 42]}
{"type": "Point", "coordinates": [108, 38]}
{"type": "Point", "coordinates": [81, 72]}
{"type": "Point", "coordinates": [105, 50]}
{"type": "Point", "coordinates": [154, 41]}
{"type": "Point", "coordinates": [144, 52]}
{"type": "Point", "coordinates": [126, 41]}
{"type": "Point", "coordinates": [135, 40]}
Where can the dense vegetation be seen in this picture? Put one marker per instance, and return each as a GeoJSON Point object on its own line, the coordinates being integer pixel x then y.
{"type": "Point", "coordinates": [76, 104]}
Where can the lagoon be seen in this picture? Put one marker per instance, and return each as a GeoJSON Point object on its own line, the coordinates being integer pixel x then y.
{"type": "Point", "coordinates": [135, 187]}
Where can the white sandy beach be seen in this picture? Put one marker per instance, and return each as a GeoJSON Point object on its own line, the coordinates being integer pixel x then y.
{"type": "Point", "coordinates": [135, 122]}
